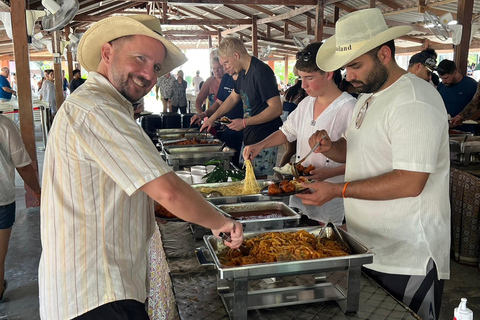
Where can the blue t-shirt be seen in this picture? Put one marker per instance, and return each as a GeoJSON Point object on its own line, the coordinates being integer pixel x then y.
{"type": "Point", "coordinates": [255, 88]}
{"type": "Point", "coordinates": [457, 96]}
{"type": "Point", "coordinates": [4, 83]}
{"type": "Point", "coordinates": [226, 87]}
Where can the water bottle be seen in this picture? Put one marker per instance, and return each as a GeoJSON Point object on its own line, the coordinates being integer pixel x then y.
{"type": "Point", "coordinates": [462, 312]}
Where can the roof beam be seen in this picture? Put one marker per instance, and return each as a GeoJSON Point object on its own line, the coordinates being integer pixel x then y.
{"type": "Point", "coordinates": [209, 22]}
{"type": "Point", "coordinates": [344, 7]}
{"type": "Point", "coordinates": [391, 4]}
{"type": "Point", "coordinates": [249, 15]}
{"type": "Point", "coordinates": [4, 7]}
{"type": "Point", "coordinates": [247, 2]}
{"type": "Point", "coordinates": [189, 32]}
{"type": "Point", "coordinates": [287, 15]}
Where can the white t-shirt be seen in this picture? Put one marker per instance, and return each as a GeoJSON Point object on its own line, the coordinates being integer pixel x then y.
{"type": "Point", "coordinates": [405, 128]}
{"type": "Point", "coordinates": [196, 82]}
{"type": "Point", "coordinates": [12, 155]}
{"type": "Point", "coordinates": [298, 126]}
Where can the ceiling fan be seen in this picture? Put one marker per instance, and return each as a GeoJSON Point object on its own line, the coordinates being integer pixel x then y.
{"type": "Point", "coordinates": [59, 13]}
{"type": "Point", "coordinates": [442, 26]}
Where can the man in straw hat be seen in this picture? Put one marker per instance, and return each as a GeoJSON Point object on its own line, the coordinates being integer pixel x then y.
{"type": "Point", "coordinates": [100, 175]}
{"type": "Point", "coordinates": [397, 163]}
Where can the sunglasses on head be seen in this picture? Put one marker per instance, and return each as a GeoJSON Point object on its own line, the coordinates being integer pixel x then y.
{"type": "Point", "coordinates": [305, 56]}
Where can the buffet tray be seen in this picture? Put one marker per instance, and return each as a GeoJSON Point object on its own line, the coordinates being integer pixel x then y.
{"type": "Point", "coordinates": [360, 255]}
{"type": "Point", "coordinates": [290, 218]}
{"type": "Point", "coordinates": [181, 159]}
{"type": "Point", "coordinates": [232, 199]}
{"type": "Point", "coordinates": [214, 145]}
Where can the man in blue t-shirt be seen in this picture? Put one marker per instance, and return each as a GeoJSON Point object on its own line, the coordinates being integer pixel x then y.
{"type": "Point", "coordinates": [456, 89]}
{"type": "Point", "coordinates": [6, 90]}
{"type": "Point", "coordinates": [256, 88]}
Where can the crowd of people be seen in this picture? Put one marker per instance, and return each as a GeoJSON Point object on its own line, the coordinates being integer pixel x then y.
{"type": "Point", "coordinates": [381, 161]}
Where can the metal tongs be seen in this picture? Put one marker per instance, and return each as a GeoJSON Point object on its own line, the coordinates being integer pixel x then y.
{"type": "Point", "coordinates": [294, 165]}
{"type": "Point", "coordinates": [333, 228]}
{"type": "Point", "coordinates": [226, 238]}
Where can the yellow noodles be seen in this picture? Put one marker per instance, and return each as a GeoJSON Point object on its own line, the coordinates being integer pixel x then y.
{"type": "Point", "coordinates": [250, 183]}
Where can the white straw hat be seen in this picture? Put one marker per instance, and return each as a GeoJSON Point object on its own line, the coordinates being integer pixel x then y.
{"type": "Point", "coordinates": [356, 34]}
{"type": "Point", "coordinates": [106, 30]}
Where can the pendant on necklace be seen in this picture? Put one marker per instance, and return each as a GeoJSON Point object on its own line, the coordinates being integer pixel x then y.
{"type": "Point", "coordinates": [313, 122]}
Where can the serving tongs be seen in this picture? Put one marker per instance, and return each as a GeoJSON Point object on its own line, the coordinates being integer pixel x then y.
{"type": "Point", "coordinates": [294, 165]}
{"type": "Point", "coordinates": [327, 231]}
{"type": "Point", "coordinates": [243, 248]}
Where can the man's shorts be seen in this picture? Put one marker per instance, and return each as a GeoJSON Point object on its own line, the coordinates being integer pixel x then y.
{"type": "Point", "coordinates": [265, 161]}
{"type": "Point", "coordinates": [7, 216]}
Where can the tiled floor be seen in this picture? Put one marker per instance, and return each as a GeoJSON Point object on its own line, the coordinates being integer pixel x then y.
{"type": "Point", "coordinates": [21, 298]}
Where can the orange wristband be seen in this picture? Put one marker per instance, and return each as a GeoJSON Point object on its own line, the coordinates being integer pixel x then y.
{"type": "Point", "coordinates": [244, 124]}
{"type": "Point", "coordinates": [345, 189]}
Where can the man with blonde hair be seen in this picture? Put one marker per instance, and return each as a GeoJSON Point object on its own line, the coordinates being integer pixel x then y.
{"type": "Point", "coordinates": [256, 88]}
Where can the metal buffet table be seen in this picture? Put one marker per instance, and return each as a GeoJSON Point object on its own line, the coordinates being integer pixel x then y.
{"type": "Point", "coordinates": [198, 293]}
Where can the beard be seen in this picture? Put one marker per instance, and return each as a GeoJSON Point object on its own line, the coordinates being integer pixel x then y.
{"type": "Point", "coordinates": [375, 78]}
{"type": "Point", "coordinates": [126, 86]}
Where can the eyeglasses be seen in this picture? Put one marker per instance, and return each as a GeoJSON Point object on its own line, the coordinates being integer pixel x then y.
{"type": "Point", "coordinates": [362, 112]}
{"type": "Point", "coordinates": [305, 56]}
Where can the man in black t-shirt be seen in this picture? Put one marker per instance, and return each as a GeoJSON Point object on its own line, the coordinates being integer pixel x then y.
{"type": "Point", "coordinates": [77, 80]}
{"type": "Point", "coordinates": [256, 88]}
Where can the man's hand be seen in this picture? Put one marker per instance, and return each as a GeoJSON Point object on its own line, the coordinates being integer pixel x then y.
{"type": "Point", "coordinates": [321, 192]}
{"type": "Point", "coordinates": [236, 124]}
{"type": "Point", "coordinates": [197, 118]}
{"type": "Point", "coordinates": [322, 137]}
{"type": "Point", "coordinates": [320, 174]}
{"type": "Point", "coordinates": [251, 151]}
{"type": "Point", "coordinates": [457, 120]}
{"type": "Point", "coordinates": [235, 230]}
{"type": "Point", "coordinates": [207, 124]}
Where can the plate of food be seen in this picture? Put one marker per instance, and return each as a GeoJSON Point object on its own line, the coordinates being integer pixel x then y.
{"type": "Point", "coordinates": [470, 122]}
{"type": "Point", "coordinates": [224, 120]}
{"type": "Point", "coordinates": [286, 170]}
{"type": "Point", "coordinates": [286, 187]}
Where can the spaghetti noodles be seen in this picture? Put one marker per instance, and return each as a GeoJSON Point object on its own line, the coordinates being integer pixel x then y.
{"type": "Point", "coordinates": [250, 183]}
{"type": "Point", "coordinates": [282, 246]}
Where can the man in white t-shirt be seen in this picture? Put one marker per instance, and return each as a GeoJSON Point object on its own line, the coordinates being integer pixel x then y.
{"type": "Point", "coordinates": [397, 163]}
{"type": "Point", "coordinates": [326, 107]}
{"type": "Point", "coordinates": [196, 81]}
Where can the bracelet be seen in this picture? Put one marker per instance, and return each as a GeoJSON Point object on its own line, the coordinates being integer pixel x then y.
{"type": "Point", "coordinates": [345, 189]}
{"type": "Point", "coordinates": [36, 195]}
{"type": "Point", "coordinates": [244, 124]}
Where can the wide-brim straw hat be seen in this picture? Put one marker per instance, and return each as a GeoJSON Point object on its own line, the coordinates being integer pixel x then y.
{"type": "Point", "coordinates": [355, 34]}
{"type": "Point", "coordinates": [106, 30]}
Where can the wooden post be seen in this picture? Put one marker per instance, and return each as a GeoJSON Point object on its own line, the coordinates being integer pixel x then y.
{"type": "Point", "coordinates": [20, 47]}
{"type": "Point", "coordinates": [285, 82]}
{"type": "Point", "coordinates": [219, 37]}
{"type": "Point", "coordinates": [254, 36]}
{"type": "Point", "coordinates": [464, 17]}
{"type": "Point", "coordinates": [57, 67]}
{"type": "Point", "coordinates": [319, 21]}
{"type": "Point", "coordinates": [69, 56]}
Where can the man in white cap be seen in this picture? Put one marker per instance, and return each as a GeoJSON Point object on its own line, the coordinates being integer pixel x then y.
{"type": "Point", "coordinates": [100, 175]}
{"type": "Point", "coordinates": [397, 163]}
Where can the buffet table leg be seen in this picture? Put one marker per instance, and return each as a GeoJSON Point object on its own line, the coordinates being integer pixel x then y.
{"type": "Point", "coordinates": [240, 299]}
{"type": "Point", "coordinates": [351, 303]}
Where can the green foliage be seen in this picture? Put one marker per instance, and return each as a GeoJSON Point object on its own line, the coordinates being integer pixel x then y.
{"type": "Point", "coordinates": [280, 71]}
{"type": "Point", "coordinates": [219, 174]}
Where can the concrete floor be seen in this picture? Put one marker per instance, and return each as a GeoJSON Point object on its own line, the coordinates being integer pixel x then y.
{"type": "Point", "coordinates": [21, 297]}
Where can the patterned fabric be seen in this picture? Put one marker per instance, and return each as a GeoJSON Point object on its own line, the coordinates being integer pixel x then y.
{"type": "Point", "coordinates": [166, 86]}
{"type": "Point", "coordinates": [95, 224]}
{"type": "Point", "coordinates": [161, 300]}
{"type": "Point", "coordinates": [473, 106]}
{"type": "Point", "coordinates": [465, 202]}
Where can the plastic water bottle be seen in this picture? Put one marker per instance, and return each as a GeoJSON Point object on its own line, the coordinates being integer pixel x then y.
{"type": "Point", "coordinates": [462, 312]}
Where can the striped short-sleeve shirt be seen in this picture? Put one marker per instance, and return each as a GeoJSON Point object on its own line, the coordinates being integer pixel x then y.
{"type": "Point", "coordinates": [95, 224]}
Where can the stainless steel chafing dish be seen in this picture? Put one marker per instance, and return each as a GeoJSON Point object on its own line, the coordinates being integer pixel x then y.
{"type": "Point", "coordinates": [170, 134]}
{"type": "Point", "coordinates": [465, 149]}
{"type": "Point", "coordinates": [214, 145]}
{"type": "Point", "coordinates": [289, 217]}
{"type": "Point", "coordinates": [239, 295]}
{"type": "Point", "coordinates": [178, 160]}
{"type": "Point", "coordinates": [229, 199]}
